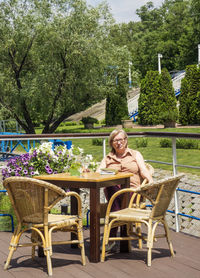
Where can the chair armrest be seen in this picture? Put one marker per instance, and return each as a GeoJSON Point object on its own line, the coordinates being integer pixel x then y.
{"type": "Point", "coordinates": [78, 199]}
{"type": "Point", "coordinates": [115, 195]}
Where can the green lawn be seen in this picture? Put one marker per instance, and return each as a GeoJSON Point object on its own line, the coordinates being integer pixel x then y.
{"type": "Point", "coordinates": [153, 151]}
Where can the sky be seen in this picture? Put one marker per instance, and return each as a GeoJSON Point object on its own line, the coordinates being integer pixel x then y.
{"type": "Point", "coordinates": [125, 10]}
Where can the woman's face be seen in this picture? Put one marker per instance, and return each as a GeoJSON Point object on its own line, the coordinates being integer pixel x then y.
{"type": "Point", "coordinates": [119, 143]}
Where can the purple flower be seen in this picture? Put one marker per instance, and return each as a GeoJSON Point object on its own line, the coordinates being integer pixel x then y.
{"type": "Point", "coordinates": [3, 171]}
{"type": "Point", "coordinates": [25, 172]}
{"type": "Point", "coordinates": [47, 167]}
{"type": "Point", "coordinates": [49, 171]}
{"type": "Point", "coordinates": [34, 153]}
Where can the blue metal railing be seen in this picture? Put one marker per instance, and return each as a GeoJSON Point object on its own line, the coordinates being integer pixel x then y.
{"type": "Point", "coordinates": [7, 147]}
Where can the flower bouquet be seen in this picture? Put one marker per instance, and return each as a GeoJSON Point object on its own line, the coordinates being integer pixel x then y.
{"type": "Point", "coordinates": [45, 160]}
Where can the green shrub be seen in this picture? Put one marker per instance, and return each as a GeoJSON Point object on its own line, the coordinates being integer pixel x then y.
{"type": "Point", "coordinates": [103, 122]}
{"type": "Point", "coordinates": [180, 143]}
{"type": "Point", "coordinates": [68, 123]}
{"type": "Point", "coordinates": [141, 142]}
{"type": "Point", "coordinates": [186, 144]}
{"type": "Point", "coordinates": [97, 142]}
{"type": "Point", "coordinates": [89, 120]}
{"type": "Point", "coordinates": [165, 143]}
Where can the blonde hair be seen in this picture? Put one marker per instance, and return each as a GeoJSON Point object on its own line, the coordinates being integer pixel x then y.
{"type": "Point", "coordinates": [114, 133]}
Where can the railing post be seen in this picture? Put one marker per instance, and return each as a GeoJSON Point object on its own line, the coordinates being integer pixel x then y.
{"type": "Point", "coordinates": [176, 192]}
{"type": "Point", "coordinates": [104, 147]}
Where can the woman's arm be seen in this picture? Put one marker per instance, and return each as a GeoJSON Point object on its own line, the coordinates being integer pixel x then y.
{"type": "Point", "coordinates": [142, 167]}
{"type": "Point", "coordinates": [102, 165]}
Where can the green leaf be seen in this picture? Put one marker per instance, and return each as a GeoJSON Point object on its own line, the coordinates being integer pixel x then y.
{"type": "Point", "coordinates": [74, 172]}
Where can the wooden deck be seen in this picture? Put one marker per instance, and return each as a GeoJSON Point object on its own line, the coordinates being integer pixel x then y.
{"type": "Point", "coordinates": [66, 261]}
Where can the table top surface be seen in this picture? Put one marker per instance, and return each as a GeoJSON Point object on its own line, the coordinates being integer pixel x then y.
{"type": "Point", "coordinates": [85, 177]}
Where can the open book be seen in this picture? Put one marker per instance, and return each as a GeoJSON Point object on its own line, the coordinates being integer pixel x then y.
{"type": "Point", "coordinates": [108, 171]}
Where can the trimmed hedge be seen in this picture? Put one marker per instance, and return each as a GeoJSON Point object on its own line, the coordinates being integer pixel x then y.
{"type": "Point", "coordinates": [180, 143]}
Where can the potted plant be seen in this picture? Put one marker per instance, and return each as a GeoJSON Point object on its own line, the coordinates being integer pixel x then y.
{"type": "Point", "coordinates": [169, 118]}
{"type": "Point", "coordinates": [89, 122]}
{"type": "Point", "coordinates": [45, 160]}
{"type": "Point", "coordinates": [127, 122]}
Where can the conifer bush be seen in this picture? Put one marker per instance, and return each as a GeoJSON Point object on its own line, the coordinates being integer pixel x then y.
{"type": "Point", "coordinates": [116, 102]}
{"type": "Point", "coordinates": [189, 111]}
{"type": "Point", "coordinates": [157, 101]}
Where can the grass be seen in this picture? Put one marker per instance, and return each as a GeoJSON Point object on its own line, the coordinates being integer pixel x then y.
{"type": "Point", "coordinates": [5, 207]}
{"type": "Point", "coordinates": [153, 151]}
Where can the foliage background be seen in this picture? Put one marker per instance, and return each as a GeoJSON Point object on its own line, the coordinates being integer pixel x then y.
{"type": "Point", "coordinates": [54, 55]}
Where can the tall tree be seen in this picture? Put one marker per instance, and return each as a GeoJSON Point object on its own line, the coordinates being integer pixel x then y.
{"type": "Point", "coordinates": [53, 56]}
{"type": "Point", "coordinates": [166, 103]}
{"type": "Point", "coordinates": [157, 102]}
{"type": "Point", "coordinates": [150, 87]}
{"type": "Point", "coordinates": [117, 88]}
{"type": "Point", "coordinates": [190, 96]}
{"type": "Point", "coordinates": [172, 30]}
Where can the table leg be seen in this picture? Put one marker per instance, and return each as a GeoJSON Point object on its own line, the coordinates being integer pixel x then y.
{"type": "Point", "coordinates": [74, 210]}
{"type": "Point", "coordinates": [123, 231]}
{"type": "Point", "coordinates": [94, 225]}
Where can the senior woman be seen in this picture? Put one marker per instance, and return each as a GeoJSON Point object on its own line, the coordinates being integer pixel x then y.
{"type": "Point", "coordinates": [125, 160]}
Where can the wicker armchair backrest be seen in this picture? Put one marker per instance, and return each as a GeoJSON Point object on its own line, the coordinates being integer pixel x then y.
{"type": "Point", "coordinates": [160, 194]}
{"type": "Point", "coordinates": [28, 197]}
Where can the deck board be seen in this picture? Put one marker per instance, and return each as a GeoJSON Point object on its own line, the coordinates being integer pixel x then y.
{"type": "Point", "coordinates": [66, 261]}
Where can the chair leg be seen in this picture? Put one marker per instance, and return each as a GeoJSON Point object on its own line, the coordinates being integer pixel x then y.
{"type": "Point", "coordinates": [149, 243]}
{"type": "Point", "coordinates": [47, 250]}
{"type": "Point", "coordinates": [34, 239]}
{"type": "Point", "coordinates": [12, 249]}
{"type": "Point", "coordinates": [168, 238]}
{"type": "Point", "coordinates": [33, 253]}
{"type": "Point", "coordinates": [129, 230]}
{"type": "Point", "coordinates": [138, 231]}
{"type": "Point", "coordinates": [81, 240]}
{"type": "Point", "coordinates": [105, 236]}
{"type": "Point", "coordinates": [13, 245]}
{"type": "Point", "coordinates": [49, 264]}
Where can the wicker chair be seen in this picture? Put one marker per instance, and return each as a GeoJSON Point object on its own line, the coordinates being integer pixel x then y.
{"type": "Point", "coordinates": [140, 202]}
{"type": "Point", "coordinates": [137, 197]}
{"type": "Point", "coordinates": [32, 201]}
{"type": "Point", "coordinates": [159, 194]}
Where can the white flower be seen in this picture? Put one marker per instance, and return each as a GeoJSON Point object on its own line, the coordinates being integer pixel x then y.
{"type": "Point", "coordinates": [80, 150]}
{"type": "Point", "coordinates": [36, 172]}
{"type": "Point", "coordinates": [62, 149]}
{"type": "Point", "coordinates": [89, 157]}
{"type": "Point", "coordinates": [55, 158]}
{"type": "Point", "coordinates": [46, 147]}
